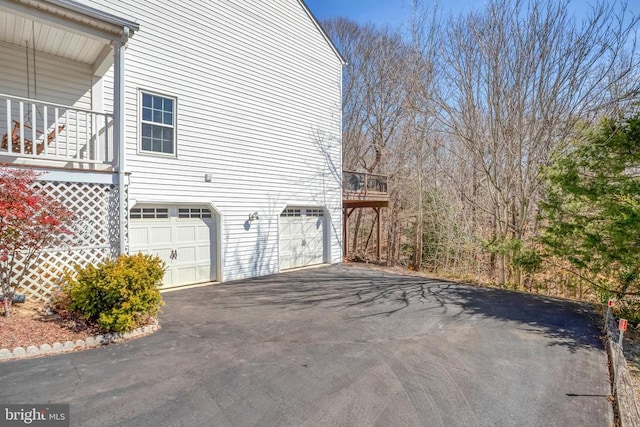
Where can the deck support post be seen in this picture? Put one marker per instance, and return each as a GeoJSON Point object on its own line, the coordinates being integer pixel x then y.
{"type": "Point", "coordinates": [118, 134]}
{"type": "Point", "coordinates": [379, 232]}
{"type": "Point", "coordinates": [345, 234]}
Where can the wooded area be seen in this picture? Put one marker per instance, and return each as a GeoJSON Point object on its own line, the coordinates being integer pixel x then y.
{"type": "Point", "coordinates": [464, 113]}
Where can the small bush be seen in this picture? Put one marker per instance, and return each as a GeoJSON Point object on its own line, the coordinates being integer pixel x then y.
{"type": "Point", "coordinates": [116, 294]}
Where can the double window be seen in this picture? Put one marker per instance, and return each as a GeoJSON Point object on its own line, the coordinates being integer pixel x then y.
{"type": "Point", "coordinates": [157, 123]}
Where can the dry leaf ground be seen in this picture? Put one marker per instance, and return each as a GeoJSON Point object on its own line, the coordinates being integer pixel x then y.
{"type": "Point", "coordinates": [631, 348]}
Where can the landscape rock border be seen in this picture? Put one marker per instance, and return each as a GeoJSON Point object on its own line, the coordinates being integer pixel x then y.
{"type": "Point", "coordinates": [68, 346]}
{"type": "Point", "coordinates": [628, 412]}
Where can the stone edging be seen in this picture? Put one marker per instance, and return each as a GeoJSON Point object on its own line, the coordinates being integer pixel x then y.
{"type": "Point", "coordinates": [628, 413]}
{"type": "Point", "coordinates": [89, 342]}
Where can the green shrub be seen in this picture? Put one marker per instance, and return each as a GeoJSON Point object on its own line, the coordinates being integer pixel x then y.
{"type": "Point", "coordinates": [628, 309]}
{"type": "Point", "coordinates": [527, 260]}
{"type": "Point", "coordinates": [116, 294]}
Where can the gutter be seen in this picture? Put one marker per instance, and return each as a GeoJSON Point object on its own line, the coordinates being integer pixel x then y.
{"type": "Point", "coordinates": [93, 13]}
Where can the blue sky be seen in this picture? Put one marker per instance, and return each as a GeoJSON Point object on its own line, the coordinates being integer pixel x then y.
{"type": "Point", "coordinates": [392, 12]}
{"type": "Point", "coordinates": [396, 12]}
{"type": "Point", "coordinates": [381, 12]}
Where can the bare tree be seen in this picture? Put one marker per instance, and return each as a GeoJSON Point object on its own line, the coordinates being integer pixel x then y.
{"type": "Point", "coordinates": [519, 76]}
{"type": "Point", "coordinates": [373, 92]}
{"type": "Point", "coordinates": [463, 113]}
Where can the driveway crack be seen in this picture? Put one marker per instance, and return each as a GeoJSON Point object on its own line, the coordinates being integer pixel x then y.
{"type": "Point", "coordinates": [78, 379]}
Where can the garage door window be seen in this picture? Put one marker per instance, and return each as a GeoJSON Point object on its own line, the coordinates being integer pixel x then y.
{"type": "Point", "coordinates": [291, 212]}
{"type": "Point", "coordinates": [194, 213]}
{"type": "Point", "coordinates": [149, 213]}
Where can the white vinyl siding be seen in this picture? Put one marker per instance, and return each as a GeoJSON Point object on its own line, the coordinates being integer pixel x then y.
{"type": "Point", "coordinates": [57, 80]}
{"type": "Point", "coordinates": [259, 92]}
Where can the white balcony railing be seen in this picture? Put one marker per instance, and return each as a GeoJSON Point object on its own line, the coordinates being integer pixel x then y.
{"type": "Point", "coordinates": [43, 130]}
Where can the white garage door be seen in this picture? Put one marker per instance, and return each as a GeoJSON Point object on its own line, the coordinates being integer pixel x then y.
{"type": "Point", "coordinates": [301, 237]}
{"type": "Point", "coordinates": [184, 237]}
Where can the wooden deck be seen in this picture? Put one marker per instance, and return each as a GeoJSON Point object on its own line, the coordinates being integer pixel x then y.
{"type": "Point", "coordinates": [362, 190]}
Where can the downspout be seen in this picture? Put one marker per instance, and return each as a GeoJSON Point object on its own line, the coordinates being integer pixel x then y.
{"type": "Point", "coordinates": [119, 141]}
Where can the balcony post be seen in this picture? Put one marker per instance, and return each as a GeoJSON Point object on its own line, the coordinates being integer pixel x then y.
{"type": "Point", "coordinates": [118, 132]}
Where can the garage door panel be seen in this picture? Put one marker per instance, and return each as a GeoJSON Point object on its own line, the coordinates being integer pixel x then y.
{"type": "Point", "coordinates": [285, 262]}
{"type": "Point", "coordinates": [165, 254]}
{"type": "Point", "coordinates": [309, 229]}
{"type": "Point", "coordinates": [139, 235]}
{"type": "Point", "coordinates": [168, 278]}
{"type": "Point", "coordinates": [159, 235]}
{"type": "Point", "coordinates": [185, 275]}
{"type": "Point", "coordinates": [314, 245]}
{"type": "Point", "coordinates": [206, 232]}
{"type": "Point", "coordinates": [297, 259]}
{"type": "Point", "coordinates": [286, 228]}
{"type": "Point", "coordinates": [204, 253]}
{"type": "Point", "coordinates": [187, 254]}
{"type": "Point", "coordinates": [297, 228]}
{"type": "Point", "coordinates": [186, 233]}
{"type": "Point", "coordinates": [316, 239]}
{"type": "Point", "coordinates": [313, 259]}
{"type": "Point", "coordinates": [204, 271]}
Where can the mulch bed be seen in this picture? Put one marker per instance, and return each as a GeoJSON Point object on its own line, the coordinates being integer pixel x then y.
{"type": "Point", "coordinates": [32, 324]}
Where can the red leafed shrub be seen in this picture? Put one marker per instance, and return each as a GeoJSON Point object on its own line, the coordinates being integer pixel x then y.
{"type": "Point", "coordinates": [29, 222]}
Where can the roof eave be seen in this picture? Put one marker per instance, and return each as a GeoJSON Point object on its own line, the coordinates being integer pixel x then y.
{"type": "Point", "coordinates": [79, 14]}
{"type": "Point", "coordinates": [94, 14]}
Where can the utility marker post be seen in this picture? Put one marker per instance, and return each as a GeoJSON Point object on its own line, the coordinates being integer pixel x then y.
{"type": "Point", "coordinates": [622, 326]}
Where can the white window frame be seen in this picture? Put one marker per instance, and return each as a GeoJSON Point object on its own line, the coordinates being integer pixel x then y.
{"type": "Point", "coordinates": [141, 92]}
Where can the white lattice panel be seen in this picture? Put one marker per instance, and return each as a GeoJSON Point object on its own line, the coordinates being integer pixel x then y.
{"type": "Point", "coordinates": [95, 228]}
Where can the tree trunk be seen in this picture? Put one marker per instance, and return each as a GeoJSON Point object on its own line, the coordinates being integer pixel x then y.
{"type": "Point", "coordinates": [356, 232]}
{"type": "Point", "coordinates": [368, 241]}
{"type": "Point", "coordinates": [417, 255]}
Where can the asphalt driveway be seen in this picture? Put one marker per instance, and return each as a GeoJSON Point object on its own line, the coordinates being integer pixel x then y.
{"type": "Point", "coordinates": [337, 346]}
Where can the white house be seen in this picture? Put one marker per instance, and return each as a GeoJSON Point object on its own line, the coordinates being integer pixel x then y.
{"type": "Point", "coordinates": [206, 132]}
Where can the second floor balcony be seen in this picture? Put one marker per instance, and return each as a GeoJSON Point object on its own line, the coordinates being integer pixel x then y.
{"type": "Point", "coordinates": [364, 189]}
{"type": "Point", "coordinates": [63, 67]}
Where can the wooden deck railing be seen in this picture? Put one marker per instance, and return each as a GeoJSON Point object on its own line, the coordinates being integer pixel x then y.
{"type": "Point", "coordinates": [363, 184]}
